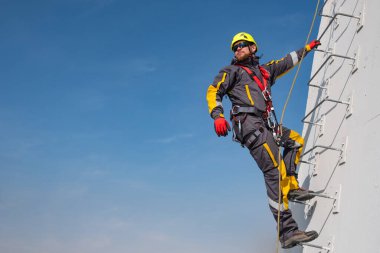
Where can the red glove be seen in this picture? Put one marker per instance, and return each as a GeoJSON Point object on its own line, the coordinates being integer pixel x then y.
{"type": "Point", "coordinates": [221, 126]}
{"type": "Point", "coordinates": [312, 45]}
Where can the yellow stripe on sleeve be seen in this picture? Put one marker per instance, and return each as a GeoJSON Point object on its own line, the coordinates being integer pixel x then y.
{"type": "Point", "coordinates": [211, 94]}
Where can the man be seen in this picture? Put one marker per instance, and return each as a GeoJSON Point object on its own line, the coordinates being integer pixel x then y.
{"type": "Point", "coordinates": [248, 85]}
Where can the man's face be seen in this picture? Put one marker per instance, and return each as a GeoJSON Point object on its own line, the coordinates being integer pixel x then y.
{"type": "Point", "coordinates": [243, 50]}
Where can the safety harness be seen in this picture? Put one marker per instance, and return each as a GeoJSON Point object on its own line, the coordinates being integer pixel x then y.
{"type": "Point", "coordinates": [269, 114]}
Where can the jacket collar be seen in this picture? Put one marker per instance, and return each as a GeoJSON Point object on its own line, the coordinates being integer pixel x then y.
{"type": "Point", "coordinates": [252, 61]}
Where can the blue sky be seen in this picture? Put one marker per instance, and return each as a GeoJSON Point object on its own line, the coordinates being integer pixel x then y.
{"type": "Point", "coordinates": [106, 144]}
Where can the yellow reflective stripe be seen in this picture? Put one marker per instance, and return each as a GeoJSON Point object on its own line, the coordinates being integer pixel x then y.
{"type": "Point", "coordinates": [277, 61]}
{"type": "Point", "coordinates": [286, 182]}
{"type": "Point", "coordinates": [221, 81]}
{"type": "Point", "coordinates": [249, 94]}
{"type": "Point", "coordinates": [211, 94]}
{"type": "Point", "coordinates": [286, 71]}
{"type": "Point", "coordinates": [285, 188]}
{"type": "Point", "coordinates": [270, 154]}
{"type": "Point", "coordinates": [211, 98]}
{"type": "Point", "coordinates": [282, 170]}
{"type": "Point", "coordinates": [297, 138]}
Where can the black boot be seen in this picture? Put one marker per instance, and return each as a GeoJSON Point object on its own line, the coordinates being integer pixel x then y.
{"type": "Point", "coordinates": [299, 237]}
{"type": "Point", "coordinates": [300, 195]}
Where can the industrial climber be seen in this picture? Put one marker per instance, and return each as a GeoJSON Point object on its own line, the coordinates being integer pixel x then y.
{"type": "Point", "coordinates": [248, 85]}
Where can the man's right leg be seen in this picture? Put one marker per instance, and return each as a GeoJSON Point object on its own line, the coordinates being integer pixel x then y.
{"type": "Point", "coordinates": [265, 153]}
{"type": "Point", "coordinates": [265, 158]}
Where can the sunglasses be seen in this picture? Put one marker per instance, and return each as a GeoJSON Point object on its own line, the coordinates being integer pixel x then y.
{"type": "Point", "coordinates": [240, 45]}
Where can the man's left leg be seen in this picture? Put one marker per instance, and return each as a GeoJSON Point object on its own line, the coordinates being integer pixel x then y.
{"type": "Point", "coordinates": [293, 145]}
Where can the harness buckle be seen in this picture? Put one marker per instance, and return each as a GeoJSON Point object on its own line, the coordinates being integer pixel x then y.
{"type": "Point", "coordinates": [271, 120]}
{"type": "Point", "coordinates": [275, 127]}
{"type": "Point", "coordinates": [266, 95]}
{"type": "Point", "coordinates": [235, 110]}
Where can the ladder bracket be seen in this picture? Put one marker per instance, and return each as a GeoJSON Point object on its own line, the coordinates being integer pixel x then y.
{"type": "Point", "coordinates": [336, 205]}
{"type": "Point", "coordinates": [343, 154]}
{"type": "Point", "coordinates": [355, 64]}
{"type": "Point", "coordinates": [349, 109]}
{"type": "Point", "coordinates": [361, 19]}
{"type": "Point", "coordinates": [309, 209]}
{"type": "Point", "coordinates": [325, 249]}
{"type": "Point", "coordinates": [322, 126]}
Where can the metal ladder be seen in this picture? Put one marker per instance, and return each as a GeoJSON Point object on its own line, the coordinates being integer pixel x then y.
{"type": "Point", "coordinates": [327, 247]}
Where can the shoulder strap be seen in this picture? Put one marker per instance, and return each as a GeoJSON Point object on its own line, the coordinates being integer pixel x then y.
{"type": "Point", "coordinates": [264, 72]}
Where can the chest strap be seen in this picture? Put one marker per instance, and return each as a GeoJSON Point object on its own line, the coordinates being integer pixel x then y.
{"type": "Point", "coordinates": [262, 85]}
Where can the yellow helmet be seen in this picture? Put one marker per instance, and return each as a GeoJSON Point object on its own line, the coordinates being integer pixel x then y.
{"type": "Point", "coordinates": [243, 36]}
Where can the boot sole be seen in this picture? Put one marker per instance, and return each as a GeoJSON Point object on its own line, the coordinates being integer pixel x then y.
{"type": "Point", "coordinates": [312, 235]}
{"type": "Point", "coordinates": [301, 197]}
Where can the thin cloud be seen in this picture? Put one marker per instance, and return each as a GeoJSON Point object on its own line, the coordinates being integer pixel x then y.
{"type": "Point", "coordinates": [142, 66]}
{"type": "Point", "coordinates": [122, 67]}
{"type": "Point", "coordinates": [171, 139]}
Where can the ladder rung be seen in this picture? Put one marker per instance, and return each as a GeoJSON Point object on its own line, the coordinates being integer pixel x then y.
{"type": "Point", "coordinates": [321, 195]}
{"type": "Point", "coordinates": [327, 59]}
{"type": "Point", "coordinates": [315, 246]}
{"type": "Point", "coordinates": [313, 123]}
{"type": "Point", "coordinates": [333, 18]}
{"type": "Point", "coordinates": [326, 99]}
{"type": "Point", "coordinates": [307, 162]}
{"type": "Point", "coordinates": [321, 146]}
{"type": "Point", "coordinates": [321, 9]}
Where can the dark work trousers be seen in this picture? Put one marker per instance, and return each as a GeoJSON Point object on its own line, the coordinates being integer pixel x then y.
{"type": "Point", "coordinates": [253, 133]}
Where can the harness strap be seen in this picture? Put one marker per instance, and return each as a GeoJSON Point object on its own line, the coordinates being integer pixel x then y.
{"type": "Point", "coordinates": [262, 86]}
{"type": "Point", "coordinates": [250, 140]}
{"type": "Point", "coordinates": [246, 109]}
{"type": "Point", "coordinates": [270, 114]}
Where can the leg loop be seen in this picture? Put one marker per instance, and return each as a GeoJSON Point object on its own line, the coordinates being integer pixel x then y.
{"type": "Point", "coordinates": [250, 140]}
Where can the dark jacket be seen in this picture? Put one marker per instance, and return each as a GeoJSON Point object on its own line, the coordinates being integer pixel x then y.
{"type": "Point", "coordinates": [239, 86]}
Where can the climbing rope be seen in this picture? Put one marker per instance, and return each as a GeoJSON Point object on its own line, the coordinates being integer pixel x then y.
{"type": "Point", "coordinates": [280, 125]}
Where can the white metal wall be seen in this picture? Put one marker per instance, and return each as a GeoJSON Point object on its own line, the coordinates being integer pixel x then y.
{"type": "Point", "coordinates": [342, 128]}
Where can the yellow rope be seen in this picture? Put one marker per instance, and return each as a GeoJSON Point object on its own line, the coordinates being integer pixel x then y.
{"type": "Point", "coordinates": [281, 120]}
